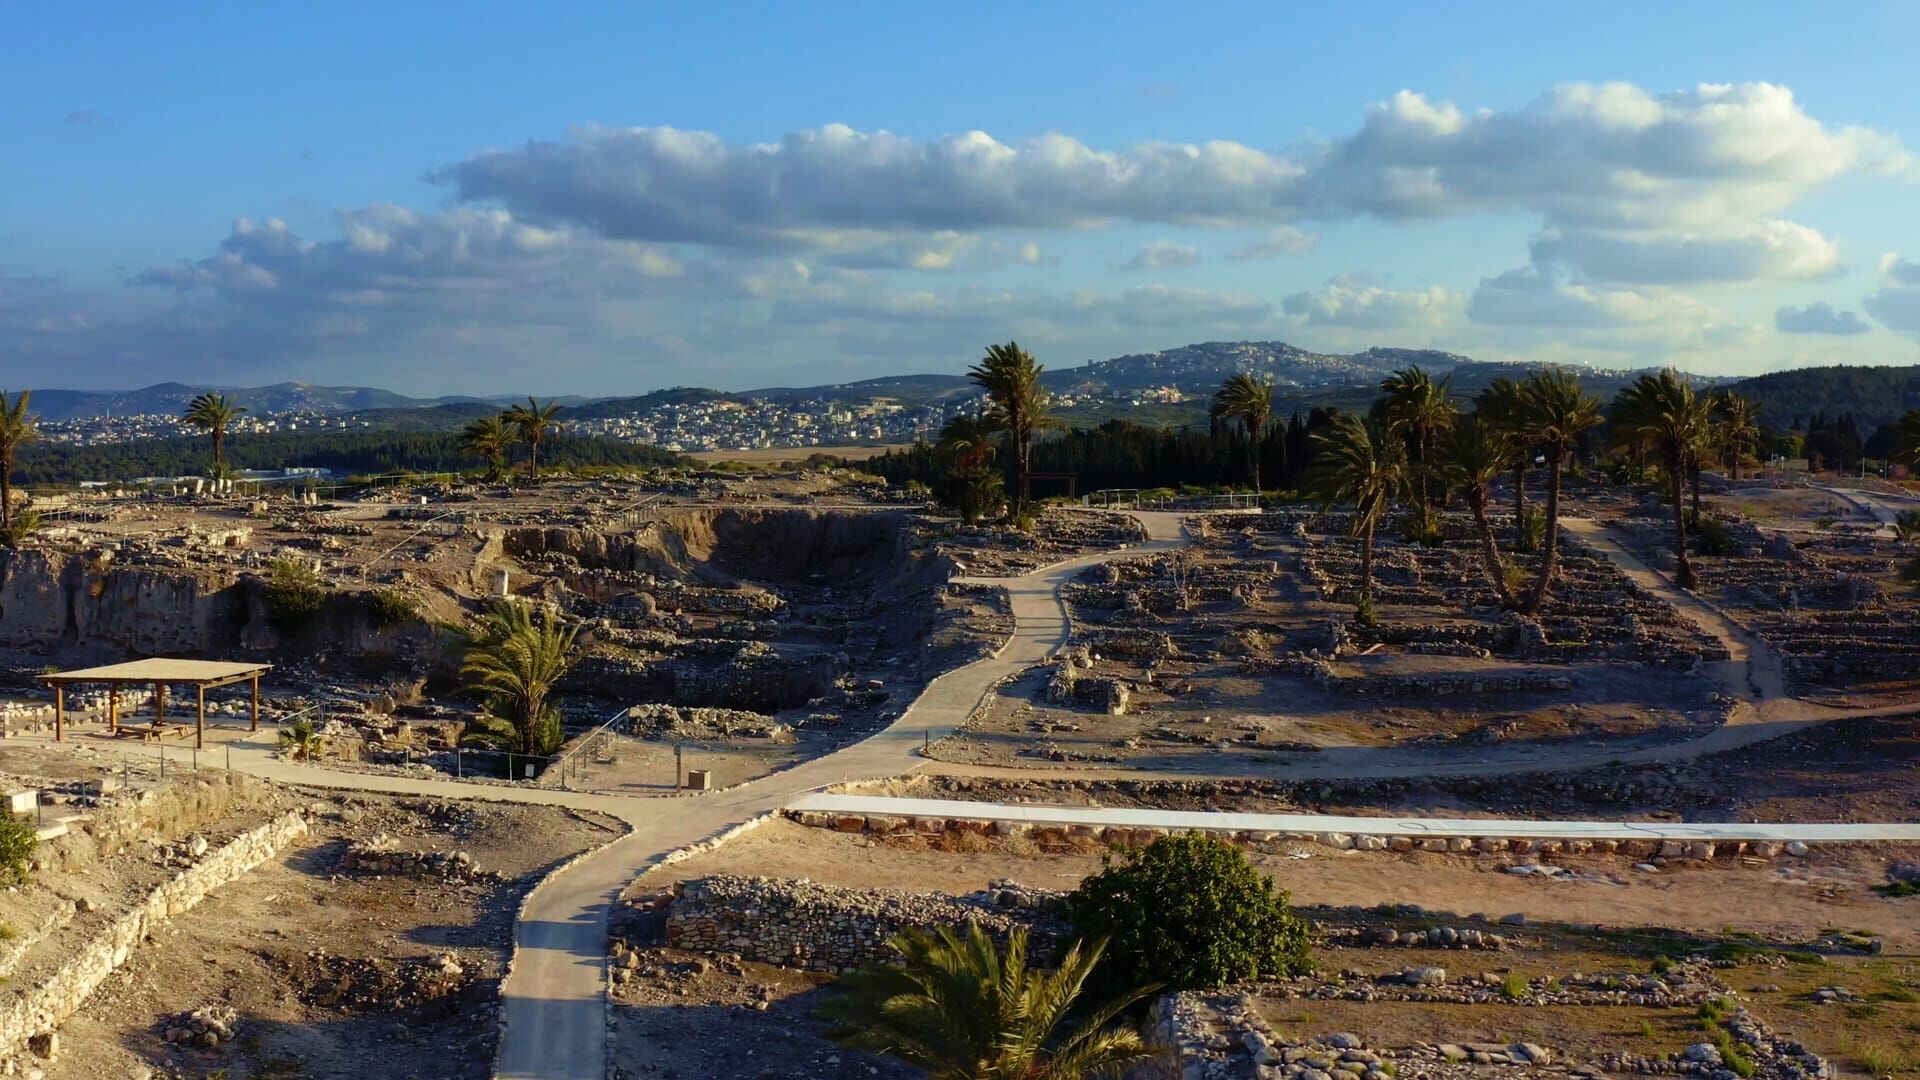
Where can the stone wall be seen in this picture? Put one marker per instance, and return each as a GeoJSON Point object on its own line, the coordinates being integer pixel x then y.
{"type": "Point", "coordinates": [798, 923]}
{"type": "Point", "coordinates": [42, 1009]}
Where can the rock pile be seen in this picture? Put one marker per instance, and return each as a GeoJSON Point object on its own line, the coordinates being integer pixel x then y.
{"type": "Point", "coordinates": [378, 854]}
{"type": "Point", "coordinates": [208, 1026]}
{"type": "Point", "coordinates": [799, 923]}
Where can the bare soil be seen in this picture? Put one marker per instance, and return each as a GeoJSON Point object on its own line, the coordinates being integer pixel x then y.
{"type": "Point", "coordinates": [331, 970]}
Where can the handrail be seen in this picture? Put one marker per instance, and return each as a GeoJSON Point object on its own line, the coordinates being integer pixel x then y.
{"type": "Point", "coordinates": [584, 740]}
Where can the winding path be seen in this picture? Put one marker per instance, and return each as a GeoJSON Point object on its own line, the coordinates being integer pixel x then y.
{"type": "Point", "coordinates": [555, 1022]}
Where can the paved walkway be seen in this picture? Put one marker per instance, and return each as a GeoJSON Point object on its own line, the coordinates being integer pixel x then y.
{"type": "Point", "coordinates": [554, 998]}
{"type": "Point", "coordinates": [1217, 821]}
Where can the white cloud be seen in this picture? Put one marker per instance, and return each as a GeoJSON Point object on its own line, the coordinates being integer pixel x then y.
{"type": "Point", "coordinates": [1283, 240]}
{"type": "Point", "coordinates": [1539, 296]}
{"type": "Point", "coordinates": [1772, 250]}
{"type": "Point", "coordinates": [1610, 156]}
{"type": "Point", "coordinates": [1818, 317]}
{"type": "Point", "coordinates": [1897, 303]}
{"type": "Point", "coordinates": [1163, 255]}
{"type": "Point", "coordinates": [1601, 155]}
{"type": "Point", "coordinates": [1357, 300]}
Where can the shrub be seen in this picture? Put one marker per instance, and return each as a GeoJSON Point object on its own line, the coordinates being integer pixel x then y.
{"type": "Point", "coordinates": [1533, 530]}
{"type": "Point", "coordinates": [391, 607]}
{"type": "Point", "coordinates": [1188, 912]}
{"type": "Point", "coordinates": [17, 841]}
{"type": "Point", "coordinates": [1515, 986]}
{"type": "Point", "coordinates": [1895, 890]}
{"type": "Point", "coordinates": [294, 596]}
{"type": "Point", "coordinates": [1712, 537]}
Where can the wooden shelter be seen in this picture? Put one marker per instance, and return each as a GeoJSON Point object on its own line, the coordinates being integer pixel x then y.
{"type": "Point", "coordinates": [202, 675]}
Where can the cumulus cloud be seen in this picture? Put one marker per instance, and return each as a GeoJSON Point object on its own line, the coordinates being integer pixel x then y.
{"type": "Point", "coordinates": [1540, 296]}
{"type": "Point", "coordinates": [1897, 303]}
{"type": "Point", "coordinates": [1818, 317]}
{"type": "Point", "coordinates": [1776, 250]}
{"type": "Point", "coordinates": [1593, 155]}
{"type": "Point", "coordinates": [1279, 241]}
{"type": "Point", "coordinates": [1360, 301]}
{"type": "Point", "coordinates": [660, 183]}
{"type": "Point", "coordinates": [1163, 255]}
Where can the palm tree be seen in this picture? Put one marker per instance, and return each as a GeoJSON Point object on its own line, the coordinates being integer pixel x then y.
{"type": "Point", "coordinates": [1502, 408]}
{"type": "Point", "coordinates": [1358, 463]}
{"type": "Point", "coordinates": [1418, 409]}
{"type": "Point", "coordinates": [302, 740]}
{"type": "Point", "coordinates": [1250, 401]}
{"type": "Point", "coordinates": [971, 485]}
{"type": "Point", "coordinates": [18, 427]}
{"type": "Point", "coordinates": [533, 422]}
{"type": "Point", "coordinates": [1554, 413]}
{"type": "Point", "coordinates": [1471, 455]}
{"type": "Point", "coordinates": [960, 1008]}
{"type": "Point", "coordinates": [214, 414]}
{"type": "Point", "coordinates": [1665, 410]}
{"type": "Point", "coordinates": [1736, 428]}
{"type": "Point", "coordinates": [1019, 404]}
{"type": "Point", "coordinates": [514, 663]}
{"type": "Point", "coordinates": [488, 438]}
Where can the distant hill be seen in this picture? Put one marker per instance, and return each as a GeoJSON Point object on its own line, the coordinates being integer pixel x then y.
{"type": "Point", "coordinates": [172, 398]}
{"type": "Point", "coordinates": [1874, 395]}
{"type": "Point", "coordinates": [1201, 367]}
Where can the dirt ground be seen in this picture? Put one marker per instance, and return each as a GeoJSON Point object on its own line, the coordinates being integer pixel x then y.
{"type": "Point", "coordinates": [332, 970]}
{"type": "Point", "coordinates": [1775, 926]}
{"type": "Point", "coordinates": [1792, 900]}
{"type": "Point", "coordinates": [778, 454]}
{"type": "Point", "coordinates": [688, 1016]}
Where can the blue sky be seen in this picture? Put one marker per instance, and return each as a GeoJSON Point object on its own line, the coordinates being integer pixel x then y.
{"type": "Point", "coordinates": [494, 198]}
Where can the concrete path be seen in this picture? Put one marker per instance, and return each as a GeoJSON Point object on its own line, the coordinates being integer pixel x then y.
{"type": "Point", "coordinates": [1216, 821]}
{"type": "Point", "coordinates": [555, 996]}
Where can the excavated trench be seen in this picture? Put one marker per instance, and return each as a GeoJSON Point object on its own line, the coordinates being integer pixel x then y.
{"type": "Point", "coordinates": [762, 610]}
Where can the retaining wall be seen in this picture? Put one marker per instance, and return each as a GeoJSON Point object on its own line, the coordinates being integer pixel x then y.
{"type": "Point", "coordinates": [42, 1009]}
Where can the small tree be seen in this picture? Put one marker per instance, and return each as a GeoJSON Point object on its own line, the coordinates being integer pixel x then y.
{"type": "Point", "coordinates": [294, 596]}
{"type": "Point", "coordinates": [17, 841]}
{"type": "Point", "coordinates": [302, 740]}
{"type": "Point", "coordinates": [1188, 912]}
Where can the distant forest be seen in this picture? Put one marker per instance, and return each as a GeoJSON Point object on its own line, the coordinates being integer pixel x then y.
{"type": "Point", "coordinates": [1122, 454]}
{"type": "Point", "coordinates": [1870, 396]}
{"type": "Point", "coordinates": [345, 452]}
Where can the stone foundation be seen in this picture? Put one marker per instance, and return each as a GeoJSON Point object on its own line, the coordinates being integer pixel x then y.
{"type": "Point", "coordinates": [800, 924]}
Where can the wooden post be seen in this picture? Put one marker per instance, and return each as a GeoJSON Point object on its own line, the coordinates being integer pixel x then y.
{"type": "Point", "coordinates": [113, 708]}
{"type": "Point", "coordinates": [159, 705]}
{"type": "Point", "coordinates": [200, 719]}
{"type": "Point", "coordinates": [254, 725]}
{"type": "Point", "coordinates": [59, 711]}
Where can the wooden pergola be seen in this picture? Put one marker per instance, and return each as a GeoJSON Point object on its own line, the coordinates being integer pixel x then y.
{"type": "Point", "coordinates": [202, 675]}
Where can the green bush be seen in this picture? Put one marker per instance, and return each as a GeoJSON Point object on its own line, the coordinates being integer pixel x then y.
{"type": "Point", "coordinates": [392, 607]}
{"type": "Point", "coordinates": [294, 596]}
{"type": "Point", "coordinates": [17, 841]}
{"type": "Point", "coordinates": [1187, 912]}
{"type": "Point", "coordinates": [1712, 536]}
